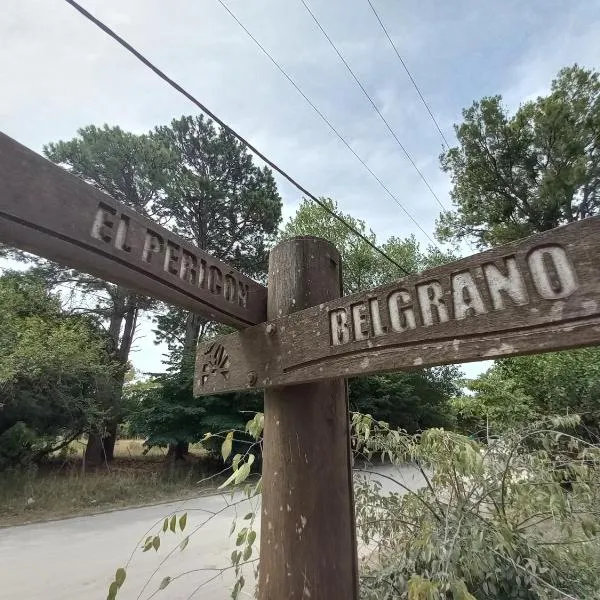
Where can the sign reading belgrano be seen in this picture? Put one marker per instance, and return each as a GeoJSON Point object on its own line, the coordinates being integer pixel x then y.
{"type": "Point", "coordinates": [546, 274]}
{"type": "Point", "coordinates": [538, 294]}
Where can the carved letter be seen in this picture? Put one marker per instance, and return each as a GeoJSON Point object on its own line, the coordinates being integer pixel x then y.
{"type": "Point", "coordinates": [431, 301]}
{"type": "Point", "coordinates": [103, 223]}
{"type": "Point", "coordinates": [172, 257]}
{"type": "Point", "coordinates": [552, 272]}
{"type": "Point", "coordinates": [338, 324]}
{"type": "Point", "coordinates": [189, 267]}
{"type": "Point", "coordinates": [466, 297]}
{"type": "Point", "coordinates": [242, 294]}
{"type": "Point", "coordinates": [512, 283]}
{"type": "Point", "coordinates": [378, 328]}
{"type": "Point", "coordinates": [229, 290]}
{"type": "Point", "coordinates": [402, 314]}
{"type": "Point", "coordinates": [153, 244]}
{"type": "Point", "coordinates": [359, 321]}
{"type": "Point", "coordinates": [121, 237]}
{"type": "Point", "coordinates": [202, 273]}
{"type": "Point", "coordinates": [215, 280]}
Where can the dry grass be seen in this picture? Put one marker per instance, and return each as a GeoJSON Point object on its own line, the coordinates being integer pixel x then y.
{"type": "Point", "coordinates": [60, 488]}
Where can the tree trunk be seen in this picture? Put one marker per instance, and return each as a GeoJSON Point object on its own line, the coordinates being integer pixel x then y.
{"type": "Point", "coordinates": [101, 445]}
{"type": "Point", "coordinates": [178, 451]}
{"type": "Point", "coordinates": [122, 356]}
{"type": "Point", "coordinates": [193, 323]}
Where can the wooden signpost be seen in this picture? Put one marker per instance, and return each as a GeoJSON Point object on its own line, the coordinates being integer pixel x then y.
{"type": "Point", "coordinates": [538, 294]}
{"type": "Point", "coordinates": [302, 340]}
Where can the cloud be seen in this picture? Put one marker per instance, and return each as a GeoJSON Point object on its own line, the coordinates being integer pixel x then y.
{"type": "Point", "coordinates": [60, 73]}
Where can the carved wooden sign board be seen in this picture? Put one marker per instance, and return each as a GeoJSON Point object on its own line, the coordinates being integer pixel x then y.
{"type": "Point", "coordinates": [538, 294]}
{"type": "Point", "coordinates": [47, 211]}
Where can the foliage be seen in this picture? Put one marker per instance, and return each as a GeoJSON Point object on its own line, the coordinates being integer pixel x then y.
{"type": "Point", "coordinates": [506, 520]}
{"type": "Point", "coordinates": [218, 199]}
{"type": "Point", "coordinates": [535, 170]}
{"type": "Point", "coordinates": [521, 389]}
{"type": "Point", "coordinates": [133, 169]}
{"type": "Point", "coordinates": [54, 370]}
{"type": "Point", "coordinates": [363, 267]}
{"type": "Point", "coordinates": [413, 401]}
{"type": "Point", "coordinates": [165, 412]}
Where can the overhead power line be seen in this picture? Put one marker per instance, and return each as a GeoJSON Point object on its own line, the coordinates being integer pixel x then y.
{"type": "Point", "coordinates": [227, 128]}
{"type": "Point", "coordinates": [326, 121]}
{"type": "Point", "coordinates": [373, 104]}
{"type": "Point", "coordinates": [409, 74]}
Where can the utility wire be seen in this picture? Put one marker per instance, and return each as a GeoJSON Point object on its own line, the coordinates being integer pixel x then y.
{"type": "Point", "coordinates": [409, 74]}
{"type": "Point", "coordinates": [326, 121]}
{"type": "Point", "coordinates": [227, 128]}
{"type": "Point", "coordinates": [362, 87]}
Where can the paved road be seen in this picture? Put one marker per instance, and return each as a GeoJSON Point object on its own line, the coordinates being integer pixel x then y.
{"type": "Point", "coordinates": [76, 558]}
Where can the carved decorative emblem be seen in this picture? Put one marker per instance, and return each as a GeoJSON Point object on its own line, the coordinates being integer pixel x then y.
{"type": "Point", "coordinates": [216, 360]}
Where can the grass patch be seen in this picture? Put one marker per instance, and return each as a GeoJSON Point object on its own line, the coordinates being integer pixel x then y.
{"type": "Point", "coordinates": [59, 488]}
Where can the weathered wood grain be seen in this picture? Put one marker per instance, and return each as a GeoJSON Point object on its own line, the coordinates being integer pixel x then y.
{"type": "Point", "coordinates": [307, 544]}
{"type": "Point", "coordinates": [534, 295]}
{"type": "Point", "coordinates": [49, 212]}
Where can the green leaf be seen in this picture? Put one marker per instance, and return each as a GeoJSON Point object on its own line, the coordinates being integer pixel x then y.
{"type": "Point", "coordinates": [184, 543]}
{"type": "Point", "coordinates": [182, 521]}
{"type": "Point", "coordinates": [251, 537]}
{"type": "Point", "coordinates": [173, 523]}
{"type": "Point", "coordinates": [248, 516]}
{"type": "Point", "coordinates": [120, 576]}
{"type": "Point", "coordinates": [156, 543]}
{"type": "Point", "coordinates": [233, 524]}
{"type": "Point", "coordinates": [164, 583]}
{"type": "Point", "coordinates": [247, 553]}
{"type": "Point", "coordinates": [227, 445]}
{"type": "Point", "coordinates": [241, 538]}
{"type": "Point", "coordinates": [165, 524]}
{"type": "Point", "coordinates": [113, 588]}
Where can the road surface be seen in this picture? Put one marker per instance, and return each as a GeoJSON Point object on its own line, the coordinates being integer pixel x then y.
{"type": "Point", "coordinates": [76, 558]}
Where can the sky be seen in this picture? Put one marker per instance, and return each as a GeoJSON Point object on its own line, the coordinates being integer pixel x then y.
{"type": "Point", "coordinates": [59, 73]}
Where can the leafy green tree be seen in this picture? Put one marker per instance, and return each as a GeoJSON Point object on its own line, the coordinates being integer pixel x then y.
{"type": "Point", "coordinates": [132, 169]}
{"type": "Point", "coordinates": [218, 199]}
{"type": "Point", "coordinates": [525, 388]}
{"type": "Point", "coordinates": [363, 267]}
{"type": "Point", "coordinates": [54, 371]}
{"type": "Point", "coordinates": [412, 400]}
{"type": "Point", "coordinates": [514, 175]}
{"type": "Point", "coordinates": [165, 411]}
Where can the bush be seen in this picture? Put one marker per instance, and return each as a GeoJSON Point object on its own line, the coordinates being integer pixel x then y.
{"type": "Point", "coordinates": [493, 522]}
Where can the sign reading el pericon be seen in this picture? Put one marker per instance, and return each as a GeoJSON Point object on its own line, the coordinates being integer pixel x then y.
{"type": "Point", "coordinates": [46, 210]}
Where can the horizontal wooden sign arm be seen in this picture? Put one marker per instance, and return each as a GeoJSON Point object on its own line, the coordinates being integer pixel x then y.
{"type": "Point", "coordinates": [47, 211]}
{"type": "Point", "coordinates": [534, 295]}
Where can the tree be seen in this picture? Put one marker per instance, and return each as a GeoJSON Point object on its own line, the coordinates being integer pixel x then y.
{"type": "Point", "coordinates": [363, 267]}
{"type": "Point", "coordinates": [525, 388]}
{"type": "Point", "coordinates": [535, 170]}
{"type": "Point", "coordinates": [412, 400]}
{"type": "Point", "coordinates": [218, 199]}
{"type": "Point", "coordinates": [132, 169]}
{"type": "Point", "coordinates": [54, 370]}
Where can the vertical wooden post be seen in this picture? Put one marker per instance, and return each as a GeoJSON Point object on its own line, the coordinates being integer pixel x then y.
{"type": "Point", "coordinates": [308, 538]}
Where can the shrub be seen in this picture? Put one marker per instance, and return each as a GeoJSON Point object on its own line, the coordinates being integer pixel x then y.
{"type": "Point", "coordinates": [497, 521]}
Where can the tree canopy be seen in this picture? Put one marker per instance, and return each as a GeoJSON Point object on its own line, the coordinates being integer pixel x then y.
{"type": "Point", "coordinates": [413, 400]}
{"type": "Point", "coordinates": [514, 175]}
{"type": "Point", "coordinates": [54, 369]}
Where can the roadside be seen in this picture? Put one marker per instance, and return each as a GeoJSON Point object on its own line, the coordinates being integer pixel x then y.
{"type": "Point", "coordinates": [60, 489]}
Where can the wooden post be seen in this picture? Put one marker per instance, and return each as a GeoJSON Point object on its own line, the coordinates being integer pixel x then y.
{"type": "Point", "coordinates": [308, 538]}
